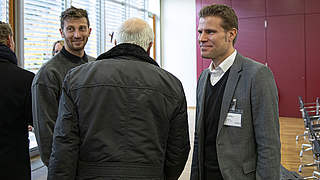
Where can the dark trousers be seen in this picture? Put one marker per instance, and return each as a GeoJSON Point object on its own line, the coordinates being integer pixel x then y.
{"type": "Point", "coordinates": [210, 174]}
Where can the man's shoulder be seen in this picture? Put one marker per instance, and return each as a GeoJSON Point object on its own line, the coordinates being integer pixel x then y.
{"type": "Point", "coordinates": [52, 63]}
{"type": "Point", "coordinates": [172, 87]}
{"type": "Point", "coordinates": [20, 72]}
{"type": "Point", "coordinates": [249, 64]}
{"type": "Point", "coordinates": [49, 69]}
{"type": "Point", "coordinates": [90, 58]}
{"type": "Point", "coordinates": [252, 69]}
{"type": "Point", "coordinates": [77, 74]}
{"type": "Point", "coordinates": [169, 75]}
{"type": "Point", "coordinates": [27, 74]}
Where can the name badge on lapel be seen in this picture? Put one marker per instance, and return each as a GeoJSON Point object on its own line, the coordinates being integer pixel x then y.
{"type": "Point", "coordinates": [233, 116]}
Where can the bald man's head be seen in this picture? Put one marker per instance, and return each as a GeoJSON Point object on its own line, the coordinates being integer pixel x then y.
{"type": "Point", "coordinates": [136, 31]}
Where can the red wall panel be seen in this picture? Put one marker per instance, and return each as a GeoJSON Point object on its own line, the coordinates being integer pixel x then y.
{"type": "Point", "coordinates": [286, 58]}
{"type": "Point", "coordinates": [249, 8]}
{"type": "Point", "coordinates": [284, 7]}
{"type": "Point", "coordinates": [312, 57]}
{"type": "Point", "coordinates": [251, 40]}
{"type": "Point", "coordinates": [312, 6]}
{"type": "Point", "coordinates": [209, 2]}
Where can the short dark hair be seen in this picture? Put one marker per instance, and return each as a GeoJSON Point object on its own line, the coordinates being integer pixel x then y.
{"type": "Point", "coordinates": [5, 31]}
{"type": "Point", "coordinates": [226, 13]}
{"type": "Point", "coordinates": [73, 12]}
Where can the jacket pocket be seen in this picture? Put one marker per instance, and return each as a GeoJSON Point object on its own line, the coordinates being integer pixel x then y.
{"type": "Point", "coordinates": [249, 167]}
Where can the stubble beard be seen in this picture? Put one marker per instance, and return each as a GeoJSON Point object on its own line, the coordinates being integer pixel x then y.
{"type": "Point", "coordinates": [76, 49]}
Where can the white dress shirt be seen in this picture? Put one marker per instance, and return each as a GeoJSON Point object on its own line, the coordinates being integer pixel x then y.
{"type": "Point", "coordinates": [217, 73]}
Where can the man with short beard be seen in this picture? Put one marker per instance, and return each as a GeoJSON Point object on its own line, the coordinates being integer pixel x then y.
{"type": "Point", "coordinates": [46, 87]}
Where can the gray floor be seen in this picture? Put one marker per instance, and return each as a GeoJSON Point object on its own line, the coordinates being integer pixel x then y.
{"type": "Point", "coordinates": [39, 170]}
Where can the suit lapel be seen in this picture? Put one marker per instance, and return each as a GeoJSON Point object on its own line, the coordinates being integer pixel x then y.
{"type": "Point", "coordinates": [234, 75]}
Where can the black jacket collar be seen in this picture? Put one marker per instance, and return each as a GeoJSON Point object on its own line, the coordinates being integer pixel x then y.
{"type": "Point", "coordinates": [7, 55]}
{"type": "Point", "coordinates": [72, 57]}
{"type": "Point", "coordinates": [126, 49]}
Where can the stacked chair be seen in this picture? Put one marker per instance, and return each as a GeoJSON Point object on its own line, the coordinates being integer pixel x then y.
{"type": "Point", "coordinates": [311, 118]}
{"type": "Point", "coordinates": [310, 108]}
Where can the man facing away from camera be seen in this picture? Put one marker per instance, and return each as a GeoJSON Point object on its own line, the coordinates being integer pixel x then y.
{"type": "Point", "coordinates": [15, 110]}
{"type": "Point", "coordinates": [122, 116]}
{"type": "Point", "coordinates": [47, 84]}
{"type": "Point", "coordinates": [237, 122]}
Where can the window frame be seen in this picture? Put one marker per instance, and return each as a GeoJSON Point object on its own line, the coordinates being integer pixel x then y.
{"type": "Point", "coordinates": [17, 18]}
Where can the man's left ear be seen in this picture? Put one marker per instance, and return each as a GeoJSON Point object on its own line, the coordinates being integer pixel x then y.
{"type": "Point", "coordinates": [9, 40]}
{"type": "Point", "coordinates": [232, 34]}
{"type": "Point", "coordinates": [90, 29]}
{"type": "Point", "coordinates": [149, 48]}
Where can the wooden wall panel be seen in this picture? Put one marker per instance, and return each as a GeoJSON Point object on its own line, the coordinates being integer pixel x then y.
{"type": "Point", "coordinates": [251, 40]}
{"type": "Point", "coordinates": [312, 6]}
{"type": "Point", "coordinates": [286, 58]}
{"type": "Point", "coordinates": [209, 2]}
{"type": "Point", "coordinates": [284, 7]}
{"type": "Point", "coordinates": [249, 8]}
{"type": "Point", "coordinates": [312, 57]}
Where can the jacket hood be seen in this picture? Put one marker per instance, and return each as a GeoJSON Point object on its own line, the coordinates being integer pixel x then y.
{"type": "Point", "coordinates": [7, 55]}
{"type": "Point", "coordinates": [127, 49]}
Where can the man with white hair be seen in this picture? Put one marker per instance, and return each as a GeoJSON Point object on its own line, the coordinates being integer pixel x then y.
{"type": "Point", "coordinates": [122, 116]}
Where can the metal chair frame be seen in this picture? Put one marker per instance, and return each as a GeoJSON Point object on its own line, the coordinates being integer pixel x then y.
{"type": "Point", "coordinates": [313, 123]}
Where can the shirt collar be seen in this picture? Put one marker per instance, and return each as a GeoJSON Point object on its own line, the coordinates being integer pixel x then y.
{"type": "Point", "coordinates": [72, 57]}
{"type": "Point", "coordinates": [225, 64]}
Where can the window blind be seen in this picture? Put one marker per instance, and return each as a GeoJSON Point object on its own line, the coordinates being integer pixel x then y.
{"type": "Point", "coordinates": [42, 23]}
{"type": "Point", "coordinates": [117, 11]}
{"type": "Point", "coordinates": [41, 30]}
{"type": "Point", "coordinates": [4, 12]}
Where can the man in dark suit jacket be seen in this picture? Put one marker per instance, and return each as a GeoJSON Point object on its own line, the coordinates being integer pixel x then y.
{"type": "Point", "coordinates": [237, 124]}
{"type": "Point", "coordinates": [15, 111]}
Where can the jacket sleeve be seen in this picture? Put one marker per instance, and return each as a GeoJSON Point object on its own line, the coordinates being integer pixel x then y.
{"type": "Point", "coordinates": [44, 109]}
{"type": "Point", "coordinates": [178, 144]}
{"type": "Point", "coordinates": [264, 98]}
{"type": "Point", "coordinates": [66, 141]}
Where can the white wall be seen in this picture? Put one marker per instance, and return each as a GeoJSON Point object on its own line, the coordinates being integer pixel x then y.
{"type": "Point", "coordinates": [178, 37]}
